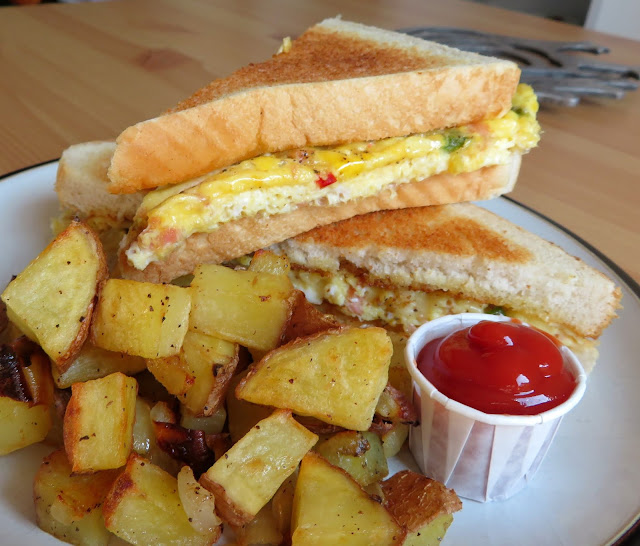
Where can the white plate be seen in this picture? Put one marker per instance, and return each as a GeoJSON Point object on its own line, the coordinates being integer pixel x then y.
{"type": "Point", "coordinates": [587, 491]}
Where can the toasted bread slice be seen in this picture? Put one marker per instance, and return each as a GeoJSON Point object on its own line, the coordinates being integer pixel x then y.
{"type": "Point", "coordinates": [81, 184]}
{"type": "Point", "coordinates": [339, 82]}
{"type": "Point", "coordinates": [462, 250]}
{"type": "Point", "coordinates": [249, 234]}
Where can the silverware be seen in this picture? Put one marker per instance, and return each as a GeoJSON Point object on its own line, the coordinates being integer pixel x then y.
{"type": "Point", "coordinates": [556, 70]}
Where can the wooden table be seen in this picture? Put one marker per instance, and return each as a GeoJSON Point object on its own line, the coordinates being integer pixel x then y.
{"type": "Point", "coordinates": [73, 73]}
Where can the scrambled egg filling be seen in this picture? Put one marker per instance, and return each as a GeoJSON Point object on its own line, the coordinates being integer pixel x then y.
{"type": "Point", "coordinates": [277, 183]}
{"type": "Point", "coordinates": [407, 309]}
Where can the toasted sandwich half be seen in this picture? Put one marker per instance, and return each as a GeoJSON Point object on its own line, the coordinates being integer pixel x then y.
{"type": "Point", "coordinates": [402, 268]}
{"type": "Point", "coordinates": [345, 120]}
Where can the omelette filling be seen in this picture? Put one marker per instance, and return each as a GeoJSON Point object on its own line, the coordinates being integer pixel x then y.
{"type": "Point", "coordinates": [279, 182]}
{"type": "Point", "coordinates": [407, 309]}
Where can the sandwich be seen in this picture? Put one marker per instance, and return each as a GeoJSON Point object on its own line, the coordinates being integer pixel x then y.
{"type": "Point", "coordinates": [82, 189]}
{"type": "Point", "coordinates": [344, 120]}
{"type": "Point", "coordinates": [401, 268]}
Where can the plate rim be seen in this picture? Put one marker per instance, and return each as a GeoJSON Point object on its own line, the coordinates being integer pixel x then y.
{"type": "Point", "coordinates": [632, 529]}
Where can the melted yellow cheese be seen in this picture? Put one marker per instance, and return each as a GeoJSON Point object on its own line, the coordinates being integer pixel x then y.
{"type": "Point", "coordinates": [277, 183]}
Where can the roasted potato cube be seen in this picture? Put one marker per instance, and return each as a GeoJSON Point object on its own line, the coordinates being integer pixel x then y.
{"type": "Point", "coordinates": [98, 423]}
{"type": "Point", "coordinates": [243, 416]}
{"type": "Point", "coordinates": [265, 261]}
{"type": "Point", "coordinates": [306, 320]}
{"type": "Point", "coordinates": [141, 318]}
{"type": "Point", "coordinates": [173, 373]}
{"type": "Point", "coordinates": [336, 376]}
{"type": "Point", "coordinates": [26, 395]}
{"type": "Point", "coordinates": [162, 412]}
{"type": "Point", "coordinates": [22, 424]}
{"type": "Point", "coordinates": [358, 453]}
{"type": "Point", "coordinates": [250, 473]}
{"type": "Point", "coordinates": [421, 505]}
{"type": "Point", "coordinates": [198, 503]}
{"type": "Point", "coordinates": [393, 406]}
{"type": "Point", "coordinates": [260, 531]}
{"type": "Point", "coordinates": [68, 505]}
{"type": "Point", "coordinates": [329, 507]}
{"type": "Point", "coordinates": [143, 507]}
{"type": "Point", "coordinates": [212, 362]}
{"type": "Point", "coordinates": [52, 300]}
{"type": "Point", "coordinates": [399, 376]}
{"type": "Point", "coordinates": [93, 363]}
{"type": "Point", "coordinates": [245, 307]}
{"type": "Point", "coordinates": [393, 439]}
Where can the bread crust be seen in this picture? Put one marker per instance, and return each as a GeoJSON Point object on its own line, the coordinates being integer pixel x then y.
{"type": "Point", "coordinates": [81, 183]}
{"type": "Point", "coordinates": [470, 251]}
{"type": "Point", "coordinates": [249, 234]}
{"type": "Point", "coordinates": [370, 84]}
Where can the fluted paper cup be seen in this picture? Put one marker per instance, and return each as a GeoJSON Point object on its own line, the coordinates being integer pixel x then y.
{"type": "Point", "coordinates": [484, 457]}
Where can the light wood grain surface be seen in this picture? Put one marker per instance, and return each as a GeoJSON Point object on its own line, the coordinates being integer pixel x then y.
{"type": "Point", "coordinates": [72, 73]}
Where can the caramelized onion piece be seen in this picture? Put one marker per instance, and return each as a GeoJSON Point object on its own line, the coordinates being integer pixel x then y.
{"type": "Point", "coordinates": [198, 503]}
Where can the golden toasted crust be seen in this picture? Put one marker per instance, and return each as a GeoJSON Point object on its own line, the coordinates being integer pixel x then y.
{"type": "Point", "coordinates": [467, 250]}
{"type": "Point", "coordinates": [431, 229]}
{"type": "Point", "coordinates": [374, 84]}
{"type": "Point", "coordinates": [249, 234]}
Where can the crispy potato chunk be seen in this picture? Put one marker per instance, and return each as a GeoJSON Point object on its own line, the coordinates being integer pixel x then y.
{"type": "Point", "coordinates": [330, 507]}
{"type": "Point", "coordinates": [393, 406]}
{"type": "Point", "coordinates": [266, 261]}
{"type": "Point", "coordinates": [393, 439]}
{"type": "Point", "coordinates": [93, 363]}
{"type": "Point", "coordinates": [399, 376]}
{"type": "Point", "coordinates": [246, 307]}
{"type": "Point", "coordinates": [68, 505]}
{"type": "Point", "coordinates": [250, 473]}
{"type": "Point", "coordinates": [141, 318]}
{"type": "Point", "coordinates": [52, 300]}
{"type": "Point", "coordinates": [143, 507]}
{"type": "Point", "coordinates": [98, 423]}
{"type": "Point", "coordinates": [336, 376]}
{"type": "Point", "coordinates": [358, 453]}
{"type": "Point", "coordinates": [422, 505]}
{"type": "Point", "coordinates": [26, 395]}
{"type": "Point", "coordinates": [22, 424]}
{"type": "Point", "coordinates": [212, 362]}
{"type": "Point", "coordinates": [173, 373]}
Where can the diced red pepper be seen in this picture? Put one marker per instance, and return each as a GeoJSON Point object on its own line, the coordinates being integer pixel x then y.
{"type": "Point", "coordinates": [324, 182]}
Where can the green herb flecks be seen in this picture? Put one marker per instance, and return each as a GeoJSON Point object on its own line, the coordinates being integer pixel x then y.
{"type": "Point", "coordinates": [495, 310]}
{"type": "Point", "coordinates": [454, 140]}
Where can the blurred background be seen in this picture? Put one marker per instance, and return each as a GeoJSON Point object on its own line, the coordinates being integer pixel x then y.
{"type": "Point", "coordinates": [619, 17]}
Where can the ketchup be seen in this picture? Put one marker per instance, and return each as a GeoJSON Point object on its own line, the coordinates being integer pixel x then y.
{"type": "Point", "coordinates": [498, 367]}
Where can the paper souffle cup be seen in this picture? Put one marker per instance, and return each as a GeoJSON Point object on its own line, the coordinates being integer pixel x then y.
{"type": "Point", "coordinates": [482, 456]}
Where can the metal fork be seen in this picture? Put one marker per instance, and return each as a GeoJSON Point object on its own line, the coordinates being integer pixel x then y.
{"type": "Point", "coordinates": [554, 69]}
